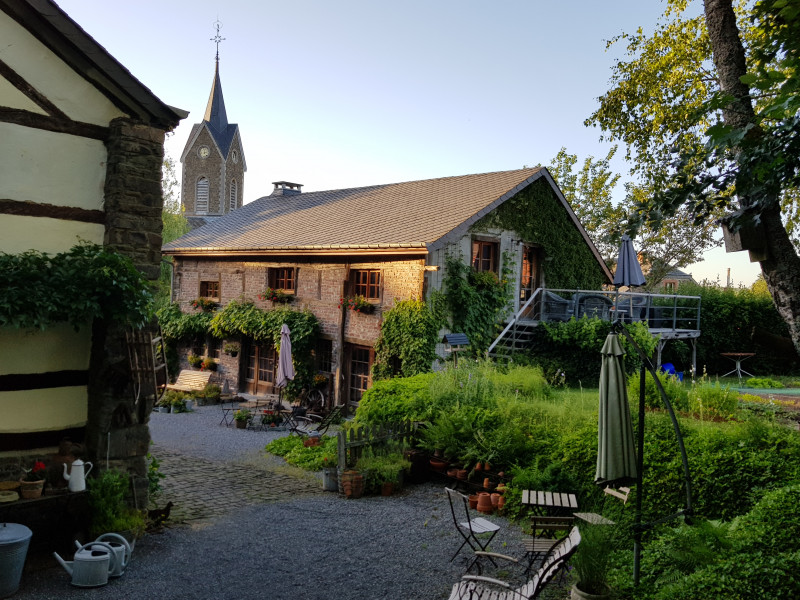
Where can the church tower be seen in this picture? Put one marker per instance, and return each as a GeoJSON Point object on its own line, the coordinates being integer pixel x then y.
{"type": "Point", "coordinates": [213, 161]}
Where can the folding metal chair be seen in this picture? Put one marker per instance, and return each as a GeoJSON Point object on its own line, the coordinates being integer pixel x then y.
{"type": "Point", "coordinates": [545, 536]}
{"type": "Point", "coordinates": [471, 528]}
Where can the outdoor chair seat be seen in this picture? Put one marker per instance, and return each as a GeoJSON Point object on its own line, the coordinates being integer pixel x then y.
{"type": "Point", "coordinates": [556, 308]}
{"type": "Point", "coordinates": [592, 305]}
{"type": "Point", "coordinates": [478, 587]}
{"type": "Point", "coordinates": [470, 528]}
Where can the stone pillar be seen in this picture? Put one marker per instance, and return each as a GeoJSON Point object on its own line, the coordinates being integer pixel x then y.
{"type": "Point", "coordinates": [133, 204]}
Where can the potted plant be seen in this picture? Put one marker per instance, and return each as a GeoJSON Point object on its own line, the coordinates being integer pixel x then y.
{"type": "Point", "coordinates": [590, 563]}
{"type": "Point", "coordinates": [320, 381]}
{"type": "Point", "coordinates": [330, 481]}
{"type": "Point", "coordinates": [241, 417]}
{"type": "Point", "coordinates": [32, 482]}
{"type": "Point", "coordinates": [208, 364]}
{"type": "Point", "coordinates": [164, 404]}
{"type": "Point", "coordinates": [357, 304]}
{"type": "Point", "coordinates": [204, 304]}
{"type": "Point", "coordinates": [178, 404]}
{"type": "Point", "coordinates": [232, 348]}
{"type": "Point", "coordinates": [276, 295]}
{"type": "Point", "coordinates": [195, 360]}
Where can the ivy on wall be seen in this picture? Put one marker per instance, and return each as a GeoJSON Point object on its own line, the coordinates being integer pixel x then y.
{"type": "Point", "coordinates": [406, 345]}
{"type": "Point", "coordinates": [242, 319]}
{"type": "Point", "coordinates": [474, 302]}
{"type": "Point", "coordinates": [87, 282]}
{"type": "Point", "coordinates": [538, 217]}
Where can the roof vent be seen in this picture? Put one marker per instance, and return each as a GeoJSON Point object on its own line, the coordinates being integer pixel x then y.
{"type": "Point", "coordinates": [285, 188]}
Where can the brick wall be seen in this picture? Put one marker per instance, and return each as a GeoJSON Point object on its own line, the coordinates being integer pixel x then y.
{"type": "Point", "coordinates": [319, 287]}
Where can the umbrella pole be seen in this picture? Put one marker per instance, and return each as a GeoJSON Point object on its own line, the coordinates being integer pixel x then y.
{"type": "Point", "coordinates": [637, 530]}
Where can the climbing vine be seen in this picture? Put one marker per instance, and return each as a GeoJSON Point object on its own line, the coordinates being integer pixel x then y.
{"type": "Point", "coordinates": [537, 216]}
{"type": "Point", "coordinates": [406, 345]}
{"type": "Point", "coordinates": [473, 301]}
{"type": "Point", "coordinates": [241, 318]}
{"type": "Point", "coordinates": [87, 282]}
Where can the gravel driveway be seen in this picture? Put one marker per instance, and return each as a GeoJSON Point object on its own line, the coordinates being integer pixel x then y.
{"type": "Point", "coordinates": [257, 528]}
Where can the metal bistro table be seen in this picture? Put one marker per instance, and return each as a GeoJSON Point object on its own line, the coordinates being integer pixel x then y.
{"type": "Point", "coordinates": [550, 503]}
{"type": "Point", "coordinates": [738, 358]}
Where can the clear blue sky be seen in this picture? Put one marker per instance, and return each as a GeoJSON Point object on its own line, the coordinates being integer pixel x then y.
{"type": "Point", "coordinates": [345, 93]}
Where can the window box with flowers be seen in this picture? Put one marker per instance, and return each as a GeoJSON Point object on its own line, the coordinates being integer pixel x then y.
{"type": "Point", "coordinates": [204, 304]}
{"type": "Point", "coordinates": [357, 304]}
{"type": "Point", "coordinates": [276, 295]}
{"type": "Point", "coordinates": [32, 483]}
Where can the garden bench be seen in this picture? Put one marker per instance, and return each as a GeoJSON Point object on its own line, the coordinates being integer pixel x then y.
{"type": "Point", "coordinates": [190, 381]}
{"type": "Point", "coordinates": [478, 587]}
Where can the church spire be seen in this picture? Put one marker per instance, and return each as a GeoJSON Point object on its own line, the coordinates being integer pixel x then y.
{"type": "Point", "coordinates": [215, 111]}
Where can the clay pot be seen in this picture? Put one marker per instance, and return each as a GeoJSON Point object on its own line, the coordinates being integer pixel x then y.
{"type": "Point", "coordinates": [485, 503]}
{"type": "Point", "coordinates": [461, 473]}
{"type": "Point", "coordinates": [387, 488]}
{"type": "Point", "coordinates": [31, 489]}
{"type": "Point", "coordinates": [452, 473]}
{"type": "Point", "coordinates": [479, 467]}
{"type": "Point", "coordinates": [438, 464]}
{"type": "Point", "coordinates": [501, 502]}
{"type": "Point", "coordinates": [352, 484]}
{"type": "Point", "coordinates": [473, 501]}
{"type": "Point", "coordinates": [495, 499]}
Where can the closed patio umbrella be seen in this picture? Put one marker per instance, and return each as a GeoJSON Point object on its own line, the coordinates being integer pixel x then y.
{"type": "Point", "coordinates": [285, 366]}
{"type": "Point", "coordinates": [616, 455]}
{"type": "Point", "coordinates": [628, 271]}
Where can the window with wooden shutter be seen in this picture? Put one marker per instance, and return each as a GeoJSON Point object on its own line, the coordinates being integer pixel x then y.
{"type": "Point", "coordinates": [233, 195]}
{"type": "Point", "coordinates": [201, 196]}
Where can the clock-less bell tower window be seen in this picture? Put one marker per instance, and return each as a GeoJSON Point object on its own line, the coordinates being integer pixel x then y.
{"type": "Point", "coordinates": [201, 196]}
{"type": "Point", "coordinates": [233, 195]}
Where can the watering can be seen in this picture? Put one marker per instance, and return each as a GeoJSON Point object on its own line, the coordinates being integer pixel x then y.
{"type": "Point", "coordinates": [77, 478]}
{"type": "Point", "coordinates": [93, 564]}
{"type": "Point", "coordinates": [121, 547]}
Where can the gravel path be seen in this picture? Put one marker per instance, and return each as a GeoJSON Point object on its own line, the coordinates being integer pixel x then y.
{"type": "Point", "coordinates": [299, 544]}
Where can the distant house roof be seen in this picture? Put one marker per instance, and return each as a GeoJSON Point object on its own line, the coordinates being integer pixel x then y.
{"type": "Point", "coordinates": [415, 216]}
{"type": "Point", "coordinates": [677, 274]}
{"type": "Point", "coordinates": [65, 38]}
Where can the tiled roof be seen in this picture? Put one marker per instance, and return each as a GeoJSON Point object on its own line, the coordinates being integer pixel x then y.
{"type": "Point", "coordinates": [414, 214]}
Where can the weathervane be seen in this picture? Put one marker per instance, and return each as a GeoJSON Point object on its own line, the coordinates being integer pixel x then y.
{"type": "Point", "coordinates": [217, 38]}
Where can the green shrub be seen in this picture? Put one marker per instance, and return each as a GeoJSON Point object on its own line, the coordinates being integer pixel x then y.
{"type": "Point", "coordinates": [396, 400]}
{"type": "Point", "coordinates": [763, 383]}
{"type": "Point", "coordinates": [713, 401]}
{"type": "Point", "coordinates": [108, 508]}
{"type": "Point", "coordinates": [676, 393]}
{"type": "Point", "coordinates": [772, 524]}
{"type": "Point", "coordinates": [407, 340]}
{"type": "Point", "coordinates": [310, 458]}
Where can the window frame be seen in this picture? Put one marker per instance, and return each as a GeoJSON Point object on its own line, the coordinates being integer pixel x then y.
{"type": "Point", "coordinates": [197, 189]}
{"type": "Point", "coordinates": [479, 262]}
{"type": "Point", "coordinates": [233, 195]}
{"type": "Point", "coordinates": [278, 282]}
{"type": "Point", "coordinates": [210, 283]}
{"type": "Point", "coordinates": [371, 290]}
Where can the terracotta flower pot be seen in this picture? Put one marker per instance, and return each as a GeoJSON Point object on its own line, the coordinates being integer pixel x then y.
{"type": "Point", "coordinates": [438, 464]}
{"type": "Point", "coordinates": [387, 488]}
{"type": "Point", "coordinates": [501, 502]}
{"type": "Point", "coordinates": [495, 500]}
{"type": "Point", "coordinates": [461, 474]}
{"type": "Point", "coordinates": [473, 501]}
{"type": "Point", "coordinates": [31, 489]}
{"type": "Point", "coordinates": [485, 503]}
{"type": "Point", "coordinates": [352, 484]}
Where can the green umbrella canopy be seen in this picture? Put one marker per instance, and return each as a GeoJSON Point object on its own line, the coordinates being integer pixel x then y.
{"type": "Point", "coordinates": [616, 454]}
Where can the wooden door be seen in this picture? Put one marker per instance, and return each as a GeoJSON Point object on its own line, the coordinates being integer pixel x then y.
{"type": "Point", "coordinates": [359, 367]}
{"type": "Point", "coordinates": [530, 276]}
{"type": "Point", "coordinates": [262, 361]}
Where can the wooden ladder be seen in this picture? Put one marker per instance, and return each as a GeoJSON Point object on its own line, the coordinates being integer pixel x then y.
{"type": "Point", "coordinates": [148, 364]}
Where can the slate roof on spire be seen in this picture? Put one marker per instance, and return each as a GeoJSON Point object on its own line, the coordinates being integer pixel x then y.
{"type": "Point", "coordinates": [217, 119]}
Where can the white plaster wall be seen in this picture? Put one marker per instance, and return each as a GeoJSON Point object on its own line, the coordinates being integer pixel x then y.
{"type": "Point", "coordinates": [19, 234]}
{"type": "Point", "coordinates": [52, 168]}
{"type": "Point", "coordinates": [53, 78]}
{"type": "Point", "coordinates": [11, 97]}
{"type": "Point", "coordinates": [50, 409]}
{"type": "Point", "coordinates": [35, 351]}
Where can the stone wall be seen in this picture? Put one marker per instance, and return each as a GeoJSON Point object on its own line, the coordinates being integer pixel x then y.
{"type": "Point", "coordinates": [133, 203]}
{"type": "Point", "coordinates": [320, 286]}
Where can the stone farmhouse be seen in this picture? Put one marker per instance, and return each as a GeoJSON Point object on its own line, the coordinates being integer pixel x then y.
{"type": "Point", "coordinates": [384, 243]}
{"type": "Point", "coordinates": [81, 151]}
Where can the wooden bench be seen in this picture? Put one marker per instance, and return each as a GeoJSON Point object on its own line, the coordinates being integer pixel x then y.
{"type": "Point", "coordinates": [478, 586]}
{"type": "Point", "coordinates": [190, 381]}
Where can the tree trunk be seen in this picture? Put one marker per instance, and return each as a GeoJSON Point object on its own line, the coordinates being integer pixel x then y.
{"type": "Point", "coordinates": [781, 269]}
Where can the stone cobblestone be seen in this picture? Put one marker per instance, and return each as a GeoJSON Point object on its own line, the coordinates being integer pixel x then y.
{"type": "Point", "coordinates": [203, 489]}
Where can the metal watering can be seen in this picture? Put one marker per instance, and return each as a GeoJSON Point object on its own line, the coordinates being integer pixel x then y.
{"type": "Point", "coordinates": [93, 564]}
{"type": "Point", "coordinates": [121, 547]}
{"type": "Point", "coordinates": [77, 478]}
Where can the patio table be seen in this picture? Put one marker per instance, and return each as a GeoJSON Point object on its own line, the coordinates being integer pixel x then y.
{"type": "Point", "coordinates": [738, 358]}
{"type": "Point", "coordinates": [550, 503]}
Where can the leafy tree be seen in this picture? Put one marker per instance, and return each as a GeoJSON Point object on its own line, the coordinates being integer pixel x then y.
{"type": "Point", "coordinates": [715, 130]}
{"type": "Point", "coordinates": [675, 243]}
{"type": "Point", "coordinates": [174, 224]}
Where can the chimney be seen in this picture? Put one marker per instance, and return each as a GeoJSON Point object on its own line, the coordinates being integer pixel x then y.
{"type": "Point", "coordinates": [285, 188]}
